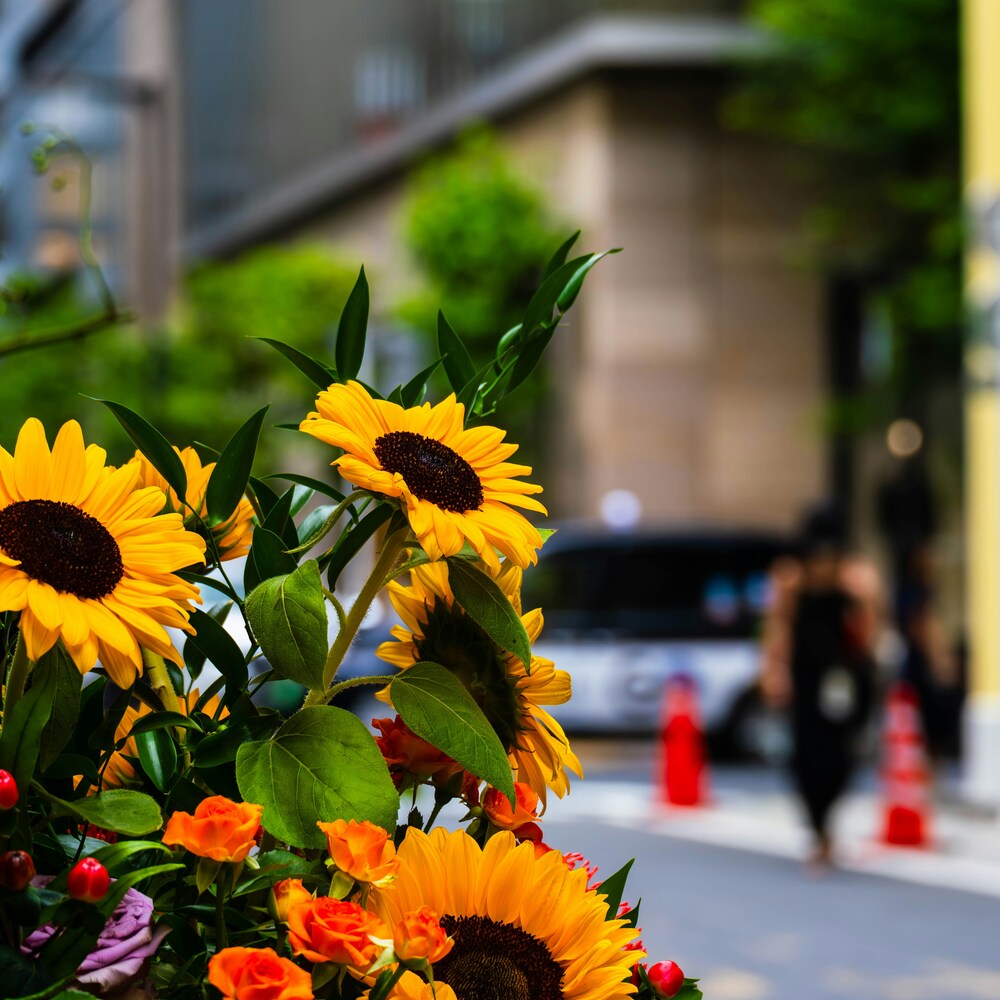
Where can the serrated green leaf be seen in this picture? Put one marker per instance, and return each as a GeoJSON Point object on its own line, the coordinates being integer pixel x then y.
{"type": "Point", "coordinates": [458, 365]}
{"type": "Point", "coordinates": [322, 764]}
{"type": "Point", "coordinates": [350, 349]}
{"type": "Point", "coordinates": [118, 809]}
{"type": "Point", "coordinates": [436, 706]}
{"type": "Point", "coordinates": [152, 444]}
{"type": "Point", "coordinates": [231, 474]}
{"type": "Point", "coordinates": [289, 620]}
{"type": "Point", "coordinates": [487, 605]}
{"type": "Point", "coordinates": [317, 372]}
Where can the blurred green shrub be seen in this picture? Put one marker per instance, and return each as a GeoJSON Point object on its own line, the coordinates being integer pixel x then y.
{"type": "Point", "coordinates": [872, 92]}
{"type": "Point", "coordinates": [480, 235]}
{"type": "Point", "coordinates": [200, 379]}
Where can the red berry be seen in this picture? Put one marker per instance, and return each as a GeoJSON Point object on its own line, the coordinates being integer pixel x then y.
{"type": "Point", "coordinates": [8, 790]}
{"type": "Point", "coordinates": [16, 869]}
{"type": "Point", "coordinates": [666, 979]}
{"type": "Point", "coordinates": [88, 880]}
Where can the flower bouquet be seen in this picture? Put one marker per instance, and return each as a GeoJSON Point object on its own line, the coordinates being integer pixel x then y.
{"type": "Point", "coordinates": [163, 832]}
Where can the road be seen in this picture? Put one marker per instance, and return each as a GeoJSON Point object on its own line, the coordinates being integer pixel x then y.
{"type": "Point", "coordinates": [755, 926]}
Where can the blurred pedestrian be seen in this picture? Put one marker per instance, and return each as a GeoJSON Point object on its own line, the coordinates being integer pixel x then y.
{"type": "Point", "coordinates": [819, 635]}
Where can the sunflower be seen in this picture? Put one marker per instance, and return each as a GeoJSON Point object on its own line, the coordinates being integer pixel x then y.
{"type": "Point", "coordinates": [525, 928]}
{"type": "Point", "coordinates": [455, 484]}
{"type": "Point", "coordinates": [86, 557]}
{"type": "Point", "coordinates": [436, 629]}
{"type": "Point", "coordinates": [232, 537]}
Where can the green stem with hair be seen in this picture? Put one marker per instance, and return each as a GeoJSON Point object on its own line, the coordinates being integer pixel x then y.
{"type": "Point", "coordinates": [17, 676]}
{"type": "Point", "coordinates": [159, 680]}
{"type": "Point", "coordinates": [387, 556]}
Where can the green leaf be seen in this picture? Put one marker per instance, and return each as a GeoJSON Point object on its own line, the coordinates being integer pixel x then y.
{"type": "Point", "coordinates": [412, 394]}
{"type": "Point", "coordinates": [437, 707]}
{"type": "Point", "coordinates": [267, 558]}
{"type": "Point", "coordinates": [487, 605]}
{"type": "Point", "coordinates": [458, 365]}
{"type": "Point", "coordinates": [289, 620]}
{"type": "Point", "coordinates": [20, 738]}
{"type": "Point", "coordinates": [220, 649]}
{"type": "Point", "coordinates": [316, 524]}
{"type": "Point", "coordinates": [314, 370]}
{"type": "Point", "coordinates": [572, 287]}
{"type": "Point", "coordinates": [162, 720]}
{"type": "Point", "coordinates": [322, 764]}
{"type": "Point", "coordinates": [65, 702]}
{"type": "Point", "coordinates": [351, 542]}
{"type": "Point", "coordinates": [158, 756]}
{"type": "Point", "coordinates": [221, 747]}
{"type": "Point", "coordinates": [614, 888]}
{"type": "Point", "coordinates": [279, 519]}
{"type": "Point", "coordinates": [559, 257]}
{"type": "Point", "coordinates": [229, 478]}
{"type": "Point", "coordinates": [350, 349]}
{"type": "Point", "coordinates": [152, 444]}
{"type": "Point", "coordinates": [314, 484]}
{"type": "Point", "coordinates": [118, 809]}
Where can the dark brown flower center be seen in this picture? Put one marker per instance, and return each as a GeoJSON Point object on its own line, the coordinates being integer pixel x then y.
{"type": "Point", "coordinates": [433, 472]}
{"type": "Point", "coordinates": [496, 961]}
{"type": "Point", "coordinates": [61, 545]}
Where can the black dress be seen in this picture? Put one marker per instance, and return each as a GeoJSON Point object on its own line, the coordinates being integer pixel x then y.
{"type": "Point", "coordinates": [831, 691]}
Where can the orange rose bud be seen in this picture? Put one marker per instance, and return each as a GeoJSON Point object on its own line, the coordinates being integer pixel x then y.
{"type": "Point", "coordinates": [288, 893]}
{"type": "Point", "coordinates": [498, 809]}
{"type": "Point", "coordinates": [419, 938]}
{"type": "Point", "coordinates": [362, 850]}
{"type": "Point", "coordinates": [220, 829]}
{"type": "Point", "coordinates": [333, 930]}
{"type": "Point", "coordinates": [258, 974]}
{"type": "Point", "coordinates": [411, 759]}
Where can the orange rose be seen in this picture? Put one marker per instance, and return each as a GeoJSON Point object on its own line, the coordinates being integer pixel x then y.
{"type": "Point", "coordinates": [258, 974]}
{"type": "Point", "coordinates": [419, 937]}
{"type": "Point", "coordinates": [288, 893]}
{"type": "Point", "coordinates": [409, 757]}
{"type": "Point", "coordinates": [500, 814]}
{"type": "Point", "coordinates": [334, 930]}
{"type": "Point", "coordinates": [220, 829]}
{"type": "Point", "coordinates": [362, 850]}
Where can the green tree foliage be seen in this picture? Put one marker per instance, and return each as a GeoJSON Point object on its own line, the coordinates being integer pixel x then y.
{"type": "Point", "coordinates": [872, 92]}
{"type": "Point", "coordinates": [480, 235]}
{"type": "Point", "coordinates": [198, 379]}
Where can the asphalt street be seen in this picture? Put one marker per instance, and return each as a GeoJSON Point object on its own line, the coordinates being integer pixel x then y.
{"type": "Point", "coordinates": [757, 926]}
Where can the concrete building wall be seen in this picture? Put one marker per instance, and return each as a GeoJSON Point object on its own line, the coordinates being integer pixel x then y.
{"type": "Point", "coordinates": [691, 370]}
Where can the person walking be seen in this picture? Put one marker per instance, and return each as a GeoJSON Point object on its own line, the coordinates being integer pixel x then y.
{"type": "Point", "coordinates": [818, 662]}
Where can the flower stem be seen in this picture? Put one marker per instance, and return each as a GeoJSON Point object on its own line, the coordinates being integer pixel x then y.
{"type": "Point", "coordinates": [17, 676]}
{"type": "Point", "coordinates": [381, 992]}
{"type": "Point", "coordinates": [358, 682]}
{"type": "Point", "coordinates": [159, 679]}
{"type": "Point", "coordinates": [387, 556]}
{"type": "Point", "coordinates": [221, 934]}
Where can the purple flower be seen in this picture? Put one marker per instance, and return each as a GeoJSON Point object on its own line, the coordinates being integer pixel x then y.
{"type": "Point", "coordinates": [125, 944]}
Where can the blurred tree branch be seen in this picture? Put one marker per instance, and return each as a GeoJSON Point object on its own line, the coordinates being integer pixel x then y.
{"type": "Point", "coordinates": [56, 143]}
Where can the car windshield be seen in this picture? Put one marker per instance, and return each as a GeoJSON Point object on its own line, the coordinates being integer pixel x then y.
{"type": "Point", "coordinates": [684, 588]}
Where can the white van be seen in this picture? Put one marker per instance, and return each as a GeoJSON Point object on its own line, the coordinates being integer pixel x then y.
{"type": "Point", "coordinates": [624, 612]}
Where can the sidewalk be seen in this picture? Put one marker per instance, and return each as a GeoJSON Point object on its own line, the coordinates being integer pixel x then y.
{"type": "Point", "coordinates": [752, 810]}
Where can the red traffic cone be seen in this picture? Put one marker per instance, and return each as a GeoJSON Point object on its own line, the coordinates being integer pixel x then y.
{"type": "Point", "coordinates": [683, 770]}
{"type": "Point", "coordinates": [905, 777]}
